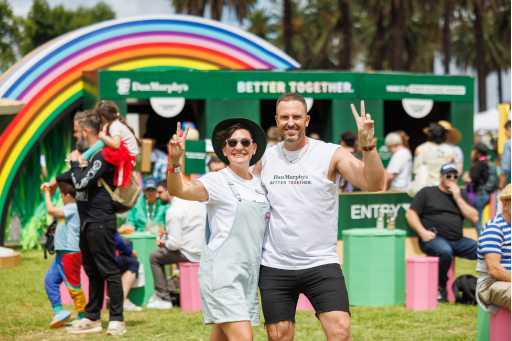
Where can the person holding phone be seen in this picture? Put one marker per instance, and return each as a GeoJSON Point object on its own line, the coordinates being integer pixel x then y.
{"type": "Point", "coordinates": [238, 213]}
{"type": "Point", "coordinates": [437, 214]}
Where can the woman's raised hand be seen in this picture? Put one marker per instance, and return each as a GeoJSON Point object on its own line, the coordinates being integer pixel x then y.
{"type": "Point", "coordinates": [176, 145]}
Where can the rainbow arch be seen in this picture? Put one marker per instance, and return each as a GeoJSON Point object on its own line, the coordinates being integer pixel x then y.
{"type": "Point", "coordinates": [49, 79]}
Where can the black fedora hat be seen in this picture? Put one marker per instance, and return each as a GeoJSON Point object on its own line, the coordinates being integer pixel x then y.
{"type": "Point", "coordinates": [260, 138]}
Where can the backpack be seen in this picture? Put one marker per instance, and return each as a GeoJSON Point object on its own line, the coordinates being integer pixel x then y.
{"type": "Point", "coordinates": [466, 284]}
{"type": "Point", "coordinates": [123, 199]}
{"type": "Point", "coordinates": [50, 239]}
{"type": "Point", "coordinates": [492, 182]}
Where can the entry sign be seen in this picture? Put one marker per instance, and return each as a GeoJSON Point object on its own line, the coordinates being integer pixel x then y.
{"type": "Point", "coordinates": [195, 156]}
{"type": "Point", "coordinates": [384, 153]}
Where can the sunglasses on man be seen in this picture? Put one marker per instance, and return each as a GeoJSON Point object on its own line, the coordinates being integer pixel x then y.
{"type": "Point", "coordinates": [232, 143]}
{"type": "Point", "coordinates": [451, 176]}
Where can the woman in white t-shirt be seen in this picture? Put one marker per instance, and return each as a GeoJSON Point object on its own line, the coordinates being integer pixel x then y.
{"type": "Point", "coordinates": [399, 169]}
{"type": "Point", "coordinates": [238, 213]}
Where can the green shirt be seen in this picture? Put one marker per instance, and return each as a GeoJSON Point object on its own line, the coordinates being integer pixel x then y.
{"type": "Point", "coordinates": [138, 215]}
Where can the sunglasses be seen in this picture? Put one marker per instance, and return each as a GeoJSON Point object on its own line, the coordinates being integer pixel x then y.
{"type": "Point", "coordinates": [234, 142]}
{"type": "Point", "coordinates": [451, 176]}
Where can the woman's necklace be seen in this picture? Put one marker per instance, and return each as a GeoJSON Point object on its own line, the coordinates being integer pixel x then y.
{"type": "Point", "coordinates": [150, 217]}
{"type": "Point", "coordinates": [297, 159]}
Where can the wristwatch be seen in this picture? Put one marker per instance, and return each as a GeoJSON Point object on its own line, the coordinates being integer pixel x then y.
{"type": "Point", "coordinates": [368, 148]}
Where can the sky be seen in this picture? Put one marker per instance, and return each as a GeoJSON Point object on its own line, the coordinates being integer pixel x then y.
{"type": "Point", "coordinates": [129, 8]}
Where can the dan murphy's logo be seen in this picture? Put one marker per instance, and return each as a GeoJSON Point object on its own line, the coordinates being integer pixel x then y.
{"type": "Point", "coordinates": [125, 85]}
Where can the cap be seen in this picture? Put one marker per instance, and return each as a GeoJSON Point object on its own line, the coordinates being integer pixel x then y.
{"type": "Point", "coordinates": [449, 167]}
{"type": "Point", "coordinates": [149, 183]}
{"type": "Point", "coordinates": [480, 147]}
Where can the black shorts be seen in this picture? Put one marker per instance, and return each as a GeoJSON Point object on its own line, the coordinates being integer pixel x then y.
{"type": "Point", "coordinates": [127, 263]}
{"type": "Point", "coordinates": [323, 285]}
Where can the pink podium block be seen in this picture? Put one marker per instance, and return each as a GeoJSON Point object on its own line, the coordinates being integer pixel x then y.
{"type": "Point", "coordinates": [304, 304]}
{"type": "Point", "coordinates": [190, 298]}
{"type": "Point", "coordinates": [451, 279]}
{"type": "Point", "coordinates": [499, 325]}
{"type": "Point", "coordinates": [421, 283]}
{"type": "Point", "coordinates": [84, 281]}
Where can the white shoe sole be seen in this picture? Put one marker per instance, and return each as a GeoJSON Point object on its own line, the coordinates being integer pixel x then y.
{"type": "Point", "coordinates": [116, 333]}
{"type": "Point", "coordinates": [132, 309]}
{"type": "Point", "coordinates": [92, 330]}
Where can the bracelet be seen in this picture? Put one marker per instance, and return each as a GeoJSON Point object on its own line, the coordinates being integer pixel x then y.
{"type": "Point", "coordinates": [173, 170]}
{"type": "Point", "coordinates": [368, 148]}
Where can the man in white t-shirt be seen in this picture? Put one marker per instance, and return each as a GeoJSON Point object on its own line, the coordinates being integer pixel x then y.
{"type": "Point", "coordinates": [299, 255]}
{"type": "Point", "coordinates": [184, 223]}
{"type": "Point", "coordinates": [400, 165]}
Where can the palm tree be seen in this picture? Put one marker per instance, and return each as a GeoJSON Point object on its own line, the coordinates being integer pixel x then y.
{"type": "Point", "coordinates": [447, 37]}
{"type": "Point", "coordinates": [495, 50]}
{"type": "Point", "coordinates": [261, 24]}
{"type": "Point", "coordinates": [479, 9]}
{"type": "Point", "coordinates": [242, 8]}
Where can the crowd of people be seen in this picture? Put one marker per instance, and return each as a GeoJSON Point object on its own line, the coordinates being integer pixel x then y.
{"type": "Point", "coordinates": [88, 235]}
{"type": "Point", "coordinates": [249, 222]}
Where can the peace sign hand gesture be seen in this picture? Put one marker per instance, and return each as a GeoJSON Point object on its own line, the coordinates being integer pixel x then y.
{"type": "Point", "coordinates": [176, 145]}
{"type": "Point", "coordinates": [365, 126]}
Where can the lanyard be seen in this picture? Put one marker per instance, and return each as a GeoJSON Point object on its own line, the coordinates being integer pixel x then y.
{"type": "Point", "coordinates": [150, 217]}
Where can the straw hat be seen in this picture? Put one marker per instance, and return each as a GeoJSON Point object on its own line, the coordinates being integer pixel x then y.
{"type": "Point", "coordinates": [454, 135]}
{"type": "Point", "coordinates": [506, 193]}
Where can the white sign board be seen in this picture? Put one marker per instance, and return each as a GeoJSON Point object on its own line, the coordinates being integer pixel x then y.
{"type": "Point", "coordinates": [167, 106]}
{"type": "Point", "coordinates": [417, 108]}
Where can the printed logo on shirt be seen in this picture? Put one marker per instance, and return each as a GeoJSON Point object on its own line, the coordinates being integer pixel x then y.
{"type": "Point", "coordinates": [290, 180]}
{"type": "Point", "coordinates": [82, 195]}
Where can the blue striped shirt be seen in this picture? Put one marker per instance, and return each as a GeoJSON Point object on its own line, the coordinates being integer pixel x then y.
{"type": "Point", "coordinates": [495, 238]}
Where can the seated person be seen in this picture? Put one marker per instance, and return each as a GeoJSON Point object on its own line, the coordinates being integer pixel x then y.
{"type": "Point", "coordinates": [148, 210]}
{"type": "Point", "coordinates": [493, 264]}
{"type": "Point", "coordinates": [185, 222]}
{"type": "Point", "coordinates": [437, 214]}
{"type": "Point", "coordinates": [68, 260]}
{"type": "Point", "coordinates": [129, 267]}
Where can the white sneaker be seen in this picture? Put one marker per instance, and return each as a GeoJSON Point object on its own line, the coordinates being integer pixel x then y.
{"type": "Point", "coordinates": [116, 328]}
{"type": "Point", "coordinates": [129, 306]}
{"type": "Point", "coordinates": [158, 303]}
{"type": "Point", "coordinates": [152, 298]}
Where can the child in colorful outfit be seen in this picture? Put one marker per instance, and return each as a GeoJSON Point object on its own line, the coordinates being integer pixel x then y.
{"type": "Point", "coordinates": [68, 260]}
{"type": "Point", "coordinates": [119, 139]}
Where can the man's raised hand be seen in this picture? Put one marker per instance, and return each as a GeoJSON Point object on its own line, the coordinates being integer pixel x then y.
{"type": "Point", "coordinates": [365, 126]}
{"type": "Point", "coordinates": [176, 145]}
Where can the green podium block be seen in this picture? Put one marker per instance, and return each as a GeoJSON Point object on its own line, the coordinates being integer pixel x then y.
{"type": "Point", "coordinates": [374, 266]}
{"type": "Point", "coordinates": [482, 324]}
{"type": "Point", "coordinates": [144, 243]}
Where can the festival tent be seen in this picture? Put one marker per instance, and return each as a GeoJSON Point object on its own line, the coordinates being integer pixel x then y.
{"type": "Point", "coordinates": [49, 79]}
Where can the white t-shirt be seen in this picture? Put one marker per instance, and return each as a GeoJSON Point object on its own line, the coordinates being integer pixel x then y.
{"type": "Point", "coordinates": [117, 128]}
{"type": "Point", "coordinates": [303, 226]}
{"type": "Point", "coordinates": [222, 203]}
{"type": "Point", "coordinates": [184, 222]}
{"type": "Point", "coordinates": [401, 165]}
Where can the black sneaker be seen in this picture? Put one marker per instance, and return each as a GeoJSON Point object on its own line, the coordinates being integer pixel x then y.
{"type": "Point", "coordinates": [442, 295]}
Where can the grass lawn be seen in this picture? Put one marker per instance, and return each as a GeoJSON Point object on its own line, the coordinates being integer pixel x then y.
{"type": "Point", "coordinates": [25, 314]}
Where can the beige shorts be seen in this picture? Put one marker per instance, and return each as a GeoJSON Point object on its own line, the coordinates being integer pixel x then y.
{"type": "Point", "coordinates": [496, 292]}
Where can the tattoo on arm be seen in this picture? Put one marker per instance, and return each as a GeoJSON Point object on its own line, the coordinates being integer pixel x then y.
{"type": "Point", "coordinates": [175, 165]}
{"type": "Point", "coordinates": [192, 183]}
